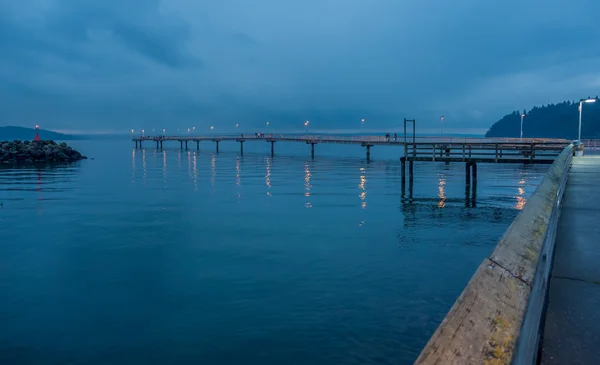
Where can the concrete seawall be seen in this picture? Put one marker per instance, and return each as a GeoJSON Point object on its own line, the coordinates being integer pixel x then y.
{"type": "Point", "coordinates": [484, 324]}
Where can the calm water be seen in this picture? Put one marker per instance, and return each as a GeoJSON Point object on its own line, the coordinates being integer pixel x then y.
{"type": "Point", "coordinates": [156, 257]}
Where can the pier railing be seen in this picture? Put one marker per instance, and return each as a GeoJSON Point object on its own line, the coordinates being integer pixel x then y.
{"type": "Point", "coordinates": [498, 317]}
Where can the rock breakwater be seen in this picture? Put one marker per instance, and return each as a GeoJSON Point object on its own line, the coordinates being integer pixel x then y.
{"type": "Point", "coordinates": [37, 151]}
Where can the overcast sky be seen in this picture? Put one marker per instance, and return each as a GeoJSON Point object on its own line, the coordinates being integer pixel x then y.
{"type": "Point", "coordinates": [114, 65]}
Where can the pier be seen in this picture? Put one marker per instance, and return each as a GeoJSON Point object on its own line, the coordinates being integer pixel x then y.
{"type": "Point", "coordinates": [470, 151]}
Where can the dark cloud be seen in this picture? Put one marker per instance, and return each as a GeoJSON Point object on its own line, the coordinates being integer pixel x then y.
{"type": "Point", "coordinates": [125, 64]}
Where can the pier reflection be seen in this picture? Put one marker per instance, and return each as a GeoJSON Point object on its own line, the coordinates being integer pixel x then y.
{"type": "Point", "coordinates": [363, 188]}
{"type": "Point", "coordinates": [520, 197]}
{"type": "Point", "coordinates": [307, 184]}
{"type": "Point", "coordinates": [238, 179]}
{"type": "Point", "coordinates": [133, 165]}
{"type": "Point", "coordinates": [213, 170]}
{"type": "Point", "coordinates": [164, 168]}
{"type": "Point", "coordinates": [442, 192]}
{"type": "Point", "coordinates": [268, 175]}
{"type": "Point", "coordinates": [195, 171]}
{"type": "Point", "coordinates": [144, 166]}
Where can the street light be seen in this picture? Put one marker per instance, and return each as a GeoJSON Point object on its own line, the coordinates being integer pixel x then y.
{"type": "Point", "coordinates": [164, 132]}
{"type": "Point", "coordinates": [142, 133]}
{"type": "Point", "coordinates": [362, 122]}
{"type": "Point", "coordinates": [306, 125]}
{"type": "Point", "coordinates": [442, 125]}
{"type": "Point", "coordinates": [588, 100]}
{"type": "Point", "coordinates": [522, 116]}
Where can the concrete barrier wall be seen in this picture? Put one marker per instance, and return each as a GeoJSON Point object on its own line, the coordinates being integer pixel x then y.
{"type": "Point", "coordinates": [484, 324]}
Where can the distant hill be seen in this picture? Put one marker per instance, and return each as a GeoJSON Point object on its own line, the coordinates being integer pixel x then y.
{"type": "Point", "coordinates": [12, 133]}
{"type": "Point", "coordinates": [551, 121]}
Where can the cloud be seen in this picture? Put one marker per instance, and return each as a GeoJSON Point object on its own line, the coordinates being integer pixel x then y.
{"type": "Point", "coordinates": [127, 64]}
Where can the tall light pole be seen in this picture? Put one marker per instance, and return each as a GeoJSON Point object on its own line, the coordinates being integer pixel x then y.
{"type": "Point", "coordinates": [142, 133]}
{"type": "Point", "coordinates": [194, 130]}
{"type": "Point", "coordinates": [442, 124]}
{"type": "Point", "coordinates": [521, 135]}
{"type": "Point", "coordinates": [164, 132]}
{"type": "Point", "coordinates": [588, 100]}
{"type": "Point", "coordinates": [362, 123]}
{"type": "Point", "coordinates": [306, 125]}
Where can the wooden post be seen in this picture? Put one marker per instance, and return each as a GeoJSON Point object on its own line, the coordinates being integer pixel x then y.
{"type": "Point", "coordinates": [135, 144]}
{"type": "Point", "coordinates": [463, 151]}
{"type": "Point", "coordinates": [474, 173]}
{"type": "Point", "coordinates": [217, 143]}
{"type": "Point", "coordinates": [181, 144]}
{"type": "Point", "coordinates": [410, 171]}
{"type": "Point", "coordinates": [186, 146]}
{"type": "Point", "coordinates": [140, 143]}
{"type": "Point", "coordinates": [433, 154]}
{"type": "Point", "coordinates": [468, 173]}
{"type": "Point", "coordinates": [532, 152]}
{"type": "Point", "coordinates": [272, 148]}
{"type": "Point", "coordinates": [496, 152]}
{"type": "Point", "coordinates": [368, 152]}
{"type": "Point", "coordinates": [403, 168]}
{"type": "Point", "coordinates": [312, 150]}
{"type": "Point", "coordinates": [242, 148]}
{"type": "Point", "coordinates": [161, 144]}
{"type": "Point", "coordinates": [198, 145]}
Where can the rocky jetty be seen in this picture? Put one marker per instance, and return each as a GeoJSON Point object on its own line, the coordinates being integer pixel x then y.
{"type": "Point", "coordinates": [37, 151]}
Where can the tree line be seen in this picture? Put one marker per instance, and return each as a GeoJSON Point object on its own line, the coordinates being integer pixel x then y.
{"type": "Point", "coordinates": [550, 121]}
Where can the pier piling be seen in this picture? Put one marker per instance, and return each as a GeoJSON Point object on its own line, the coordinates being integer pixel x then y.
{"type": "Point", "coordinates": [468, 173]}
{"type": "Point", "coordinates": [369, 152]}
{"type": "Point", "coordinates": [217, 143]}
{"type": "Point", "coordinates": [198, 145]}
{"type": "Point", "coordinates": [312, 150]}
{"type": "Point", "coordinates": [186, 146]}
{"type": "Point", "coordinates": [242, 147]}
{"type": "Point", "coordinates": [181, 144]}
{"type": "Point", "coordinates": [272, 148]}
{"type": "Point", "coordinates": [410, 172]}
{"type": "Point", "coordinates": [403, 168]}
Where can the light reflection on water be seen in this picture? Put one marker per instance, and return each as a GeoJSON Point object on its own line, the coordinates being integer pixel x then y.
{"type": "Point", "coordinates": [90, 253]}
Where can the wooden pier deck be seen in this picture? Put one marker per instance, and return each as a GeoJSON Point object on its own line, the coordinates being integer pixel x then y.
{"type": "Point", "coordinates": [440, 149]}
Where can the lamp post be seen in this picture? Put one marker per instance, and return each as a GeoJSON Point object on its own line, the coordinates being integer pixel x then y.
{"type": "Point", "coordinates": [362, 123]}
{"type": "Point", "coordinates": [588, 100]}
{"type": "Point", "coordinates": [142, 133]}
{"type": "Point", "coordinates": [442, 125]}
{"type": "Point", "coordinates": [306, 125]}
{"type": "Point", "coordinates": [164, 132]}
{"type": "Point", "coordinates": [521, 135]}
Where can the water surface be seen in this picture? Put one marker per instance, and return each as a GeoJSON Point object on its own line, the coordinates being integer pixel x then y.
{"type": "Point", "coordinates": [173, 256]}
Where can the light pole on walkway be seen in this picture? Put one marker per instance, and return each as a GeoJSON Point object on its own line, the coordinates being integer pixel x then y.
{"type": "Point", "coordinates": [521, 135]}
{"type": "Point", "coordinates": [588, 100]}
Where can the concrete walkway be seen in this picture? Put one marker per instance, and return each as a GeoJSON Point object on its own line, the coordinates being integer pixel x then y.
{"type": "Point", "coordinates": [572, 331]}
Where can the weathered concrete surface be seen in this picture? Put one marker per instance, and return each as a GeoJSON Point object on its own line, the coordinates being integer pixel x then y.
{"type": "Point", "coordinates": [572, 330]}
{"type": "Point", "coordinates": [483, 325]}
